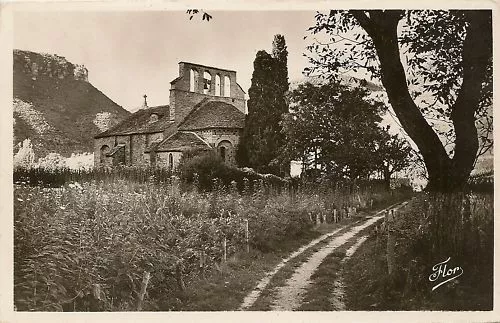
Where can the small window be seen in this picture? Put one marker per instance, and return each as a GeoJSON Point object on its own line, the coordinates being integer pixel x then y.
{"type": "Point", "coordinates": [193, 80]}
{"type": "Point", "coordinates": [170, 161]}
{"type": "Point", "coordinates": [207, 82]}
{"type": "Point", "coordinates": [227, 86]}
{"type": "Point", "coordinates": [217, 85]}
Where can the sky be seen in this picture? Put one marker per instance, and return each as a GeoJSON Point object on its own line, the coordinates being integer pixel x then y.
{"type": "Point", "coordinates": [129, 54]}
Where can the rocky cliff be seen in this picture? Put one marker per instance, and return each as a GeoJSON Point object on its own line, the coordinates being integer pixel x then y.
{"type": "Point", "coordinates": [55, 105]}
{"type": "Point", "coordinates": [55, 66]}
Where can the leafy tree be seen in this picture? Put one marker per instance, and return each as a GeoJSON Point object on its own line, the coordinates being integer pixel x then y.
{"type": "Point", "coordinates": [263, 140]}
{"type": "Point", "coordinates": [433, 64]}
{"type": "Point", "coordinates": [393, 155]}
{"type": "Point", "coordinates": [337, 125]}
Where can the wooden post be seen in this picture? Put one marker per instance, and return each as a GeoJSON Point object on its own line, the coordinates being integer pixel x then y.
{"type": "Point", "coordinates": [318, 219]}
{"type": "Point", "coordinates": [178, 273]}
{"type": "Point", "coordinates": [390, 251]}
{"type": "Point", "coordinates": [324, 217]}
{"type": "Point", "coordinates": [247, 234]}
{"type": "Point", "coordinates": [390, 242]}
{"type": "Point", "coordinates": [202, 263]}
{"type": "Point", "coordinates": [144, 285]}
{"type": "Point", "coordinates": [224, 246]}
{"type": "Point", "coordinates": [335, 217]}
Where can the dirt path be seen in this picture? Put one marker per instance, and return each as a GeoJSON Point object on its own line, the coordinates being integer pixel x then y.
{"type": "Point", "coordinates": [255, 293]}
{"type": "Point", "coordinates": [289, 296]}
{"type": "Point", "coordinates": [337, 297]}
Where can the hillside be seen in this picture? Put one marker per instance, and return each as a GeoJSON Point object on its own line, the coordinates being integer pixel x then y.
{"type": "Point", "coordinates": [56, 107]}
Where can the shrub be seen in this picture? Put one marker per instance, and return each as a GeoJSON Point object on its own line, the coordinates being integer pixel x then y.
{"type": "Point", "coordinates": [202, 167]}
{"type": "Point", "coordinates": [206, 168]}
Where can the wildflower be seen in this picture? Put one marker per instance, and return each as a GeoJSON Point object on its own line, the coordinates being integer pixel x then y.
{"type": "Point", "coordinates": [20, 199]}
{"type": "Point", "coordinates": [62, 207]}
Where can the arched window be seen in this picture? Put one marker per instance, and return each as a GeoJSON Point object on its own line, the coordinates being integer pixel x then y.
{"type": "Point", "coordinates": [217, 84]}
{"type": "Point", "coordinates": [227, 86]}
{"type": "Point", "coordinates": [225, 150]}
{"type": "Point", "coordinates": [207, 82]}
{"type": "Point", "coordinates": [170, 161]}
{"type": "Point", "coordinates": [104, 151]}
{"type": "Point", "coordinates": [193, 80]}
{"type": "Point", "coordinates": [222, 151]}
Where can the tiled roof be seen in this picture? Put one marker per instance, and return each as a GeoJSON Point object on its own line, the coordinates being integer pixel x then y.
{"type": "Point", "coordinates": [181, 141]}
{"type": "Point", "coordinates": [214, 114]}
{"type": "Point", "coordinates": [140, 122]}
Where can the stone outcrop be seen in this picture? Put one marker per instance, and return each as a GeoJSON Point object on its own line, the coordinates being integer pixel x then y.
{"type": "Point", "coordinates": [49, 65]}
{"type": "Point", "coordinates": [56, 107]}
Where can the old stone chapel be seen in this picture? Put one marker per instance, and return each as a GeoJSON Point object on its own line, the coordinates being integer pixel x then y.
{"type": "Point", "coordinates": [206, 111]}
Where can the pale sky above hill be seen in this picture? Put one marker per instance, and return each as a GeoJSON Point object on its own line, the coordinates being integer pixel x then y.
{"type": "Point", "coordinates": [129, 54]}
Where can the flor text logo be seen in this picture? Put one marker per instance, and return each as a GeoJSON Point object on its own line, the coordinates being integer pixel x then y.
{"type": "Point", "coordinates": [443, 273]}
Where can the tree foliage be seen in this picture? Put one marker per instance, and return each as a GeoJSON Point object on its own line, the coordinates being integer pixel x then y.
{"type": "Point", "coordinates": [263, 140]}
{"type": "Point", "coordinates": [204, 15]}
{"type": "Point", "coordinates": [338, 128]}
{"type": "Point", "coordinates": [443, 77]}
{"type": "Point", "coordinates": [392, 155]}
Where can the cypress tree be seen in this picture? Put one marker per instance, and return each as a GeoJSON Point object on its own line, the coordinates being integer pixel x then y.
{"type": "Point", "coordinates": [262, 140]}
{"type": "Point", "coordinates": [280, 55]}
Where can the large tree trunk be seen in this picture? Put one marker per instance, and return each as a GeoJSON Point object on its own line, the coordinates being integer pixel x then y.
{"type": "Point", "coordinates": [445, 174]}
{"type": "Point", "coordinates": [387, 178]}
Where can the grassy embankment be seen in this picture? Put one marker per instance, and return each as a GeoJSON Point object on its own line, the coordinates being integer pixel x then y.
{"type": "Point", "coordinates": [428, 231]}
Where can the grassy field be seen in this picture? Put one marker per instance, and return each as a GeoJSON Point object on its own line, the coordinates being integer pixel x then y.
{"type": "Point", "coordinates": [122, 246]}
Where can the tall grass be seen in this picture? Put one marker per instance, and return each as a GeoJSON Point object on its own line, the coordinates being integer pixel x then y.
{"type": "Point", "coordinates": [438, 226]}
{"type": "Point", "coordinates": [87, 246]}
{"type": "Point", "coordinates": [58, 177]}
{"type": "Point", "coordinates": [461, 224]}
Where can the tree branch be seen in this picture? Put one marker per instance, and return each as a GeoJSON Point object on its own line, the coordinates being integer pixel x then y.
{"type": "Point", "coordinates": [363, 20]}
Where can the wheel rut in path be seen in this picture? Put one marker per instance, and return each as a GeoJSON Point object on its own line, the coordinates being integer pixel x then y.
{"type": "Point", "coordinates": [290, 295]}
{"type": "Point", "coordinates": [337, 294]}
